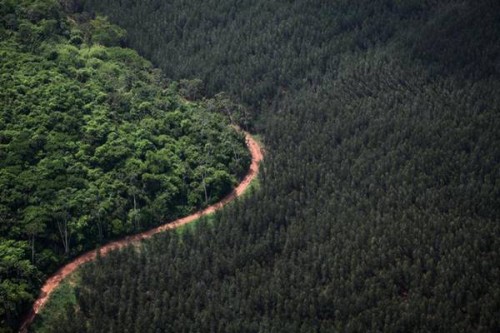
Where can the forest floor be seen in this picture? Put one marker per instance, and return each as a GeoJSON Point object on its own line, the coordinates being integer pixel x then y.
{"type": "Point", "coordinates": [55, 280]}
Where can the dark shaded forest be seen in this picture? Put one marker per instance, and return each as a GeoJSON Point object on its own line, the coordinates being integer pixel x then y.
{"type": "Point", "coordinates": [379, 202]}
{"type": "Point", "coordinates": [94, 144]}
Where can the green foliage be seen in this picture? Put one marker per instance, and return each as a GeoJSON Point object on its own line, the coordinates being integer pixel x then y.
{"type": "Point", "coordinates": [379, 202]}
{"type": "Point", "coordinates": [105, 33]}
{"type": "Point", "coordinates": [16, 275]}
{"type": "Point", "coordinates": [94, 144]}
{"type": "Point", "coordinates": [62, 301]}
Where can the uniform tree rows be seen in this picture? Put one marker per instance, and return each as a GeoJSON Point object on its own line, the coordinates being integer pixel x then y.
{"type": "Point", "coordinates": [379, 202]}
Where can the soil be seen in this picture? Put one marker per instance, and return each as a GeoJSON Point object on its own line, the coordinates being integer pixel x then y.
{"type": "Point", "coordinates": [53, 282]}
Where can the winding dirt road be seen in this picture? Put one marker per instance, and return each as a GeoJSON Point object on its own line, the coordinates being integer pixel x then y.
{"type": "Point", "coordinates": [53, 282]}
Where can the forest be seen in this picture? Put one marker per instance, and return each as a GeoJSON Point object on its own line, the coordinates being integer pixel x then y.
{"type": "Point", "coordinates": [378, 208]}
{"type": "Point", "coordinates": [95, 143]}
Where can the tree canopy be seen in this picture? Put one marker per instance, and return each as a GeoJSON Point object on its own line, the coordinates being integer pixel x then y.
{"type": "Point", "coordinates": [94, 144]}
{"type": "Point", "coordinates": [379, 203]}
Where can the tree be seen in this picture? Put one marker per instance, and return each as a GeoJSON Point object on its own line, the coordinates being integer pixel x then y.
{"type": "Point", "coordinates": [105, 33]}
{"type": "Point", "coordinates": [35, 219]}
{"type": "Point", "coordinates": [16, 274]}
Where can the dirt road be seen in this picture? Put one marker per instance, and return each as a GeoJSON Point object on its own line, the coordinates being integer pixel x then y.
{"type": "Point", "coordinates": [52, 283]}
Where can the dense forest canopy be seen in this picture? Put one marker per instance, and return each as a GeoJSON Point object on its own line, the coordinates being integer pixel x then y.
{"type": "Point", "coordinates": [94, 144]}
{"type": "Point", "coordinates": [379, 202]}
{"type": "Point", "coordinates": [380, 197]}
{"type": "Point", "coordinates": [257, 51]}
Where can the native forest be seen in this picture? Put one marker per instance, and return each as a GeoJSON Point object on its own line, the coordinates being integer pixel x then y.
{"type": "Point", "coordinates": [375, 207]}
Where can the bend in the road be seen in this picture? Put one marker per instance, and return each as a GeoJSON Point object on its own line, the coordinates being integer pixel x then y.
{"type": "Point", "coordinates": [53, 282]}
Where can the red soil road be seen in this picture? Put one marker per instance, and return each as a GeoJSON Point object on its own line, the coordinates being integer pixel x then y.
{"type": "Point", "coordinates": [53, 282]}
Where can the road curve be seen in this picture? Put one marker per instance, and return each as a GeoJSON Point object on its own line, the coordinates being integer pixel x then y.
{"type": "Point", "coordinates": [53, 282]}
